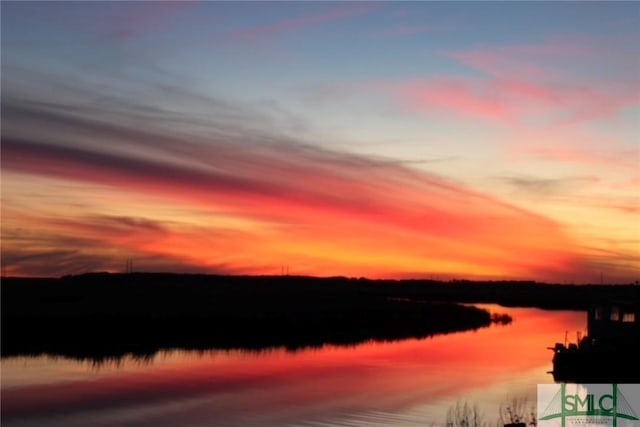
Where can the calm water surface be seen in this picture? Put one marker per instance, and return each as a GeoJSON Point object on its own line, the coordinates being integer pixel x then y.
{"type": "Point", "coordinates": [403, 383]}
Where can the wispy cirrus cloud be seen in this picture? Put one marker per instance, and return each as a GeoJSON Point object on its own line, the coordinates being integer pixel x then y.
{"type": "Point", "coordinates": [573, 191]}
{"type": "Point", "coordinates": [407, 29]}
{"type": "Point", "coordinates": [328, 211]}
{"type": "Point", "coordinates": [108, 21]}
{"type": "Point", "coordinates": [121, 124]}
{"type": "Point", "coordinates": [539, 186]}
{"type": "Point", "coordinates": [144, 18]}
{"type": "Point", "coordinates": [514, 101]}
{"type": "Point", "coordinates": [269, 31]}
{"type": "Point", "coordinates": [453, 96]}
{"type": "Point", "coordinates": [618, 159]}
{"type": "Point", "coordinates": [557, 56]}
{"type": "Point", "coordinates": [519, 84]}
{"type": "Point", "coordinates": [520, 59]}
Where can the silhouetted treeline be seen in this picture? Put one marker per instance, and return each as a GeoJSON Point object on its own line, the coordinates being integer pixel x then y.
{"type": "Point", "coordinates": [514, 293]}
{"type": "Point", "coordinates": [108, 315]}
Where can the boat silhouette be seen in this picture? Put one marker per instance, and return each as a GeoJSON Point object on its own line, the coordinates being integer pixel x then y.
{"type": "Point", "coordinates": [608, 353]}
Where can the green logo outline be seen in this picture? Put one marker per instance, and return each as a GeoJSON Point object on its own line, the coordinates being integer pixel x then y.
{"type": "Point", "coordinates": [616, 397]}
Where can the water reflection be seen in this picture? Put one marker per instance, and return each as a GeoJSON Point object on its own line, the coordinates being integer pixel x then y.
{"type": "Point", "coordinates": [410, 382]}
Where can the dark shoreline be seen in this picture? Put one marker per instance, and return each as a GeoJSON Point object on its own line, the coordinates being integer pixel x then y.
{"type": "Point", "coordinates": [101, 315]}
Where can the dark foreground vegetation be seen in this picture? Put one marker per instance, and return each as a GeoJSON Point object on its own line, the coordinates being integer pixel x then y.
{"type": "Point", "coordinates": [109, 315]}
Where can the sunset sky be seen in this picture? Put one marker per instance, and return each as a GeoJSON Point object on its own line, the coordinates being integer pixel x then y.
{"type": "Point", "coordinates": [431, 140]}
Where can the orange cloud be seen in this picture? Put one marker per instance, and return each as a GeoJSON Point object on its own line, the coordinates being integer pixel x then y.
{"type": "Point", "coordinates": [323, 212]}
{"type": "Point", "coordinates": [249, 203]}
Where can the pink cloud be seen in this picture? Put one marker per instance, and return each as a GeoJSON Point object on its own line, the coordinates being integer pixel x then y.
{"type": "Point", "coordinates": [498, 64]}
{"type": "Point", "coordinates": [529, 83]}
{"type": "Point", "coordinates": [527, 58]}
{"type": "Point", "coordinates": [514, 100]}
{"type": "Point", "coordinates": [453, 96]}
{"type": "Point", "coordinates": [272, 30]}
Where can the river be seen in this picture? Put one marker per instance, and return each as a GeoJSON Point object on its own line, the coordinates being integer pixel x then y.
{"type": "Point", "coordinates": [403, 383]}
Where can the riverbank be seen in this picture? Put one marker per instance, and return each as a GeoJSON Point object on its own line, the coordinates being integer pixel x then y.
{"type": "Point", "coordinates": [106, 316]}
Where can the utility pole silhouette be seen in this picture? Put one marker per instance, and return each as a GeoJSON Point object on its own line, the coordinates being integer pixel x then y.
{"type": "Point", "coordinates": [129, 266]}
